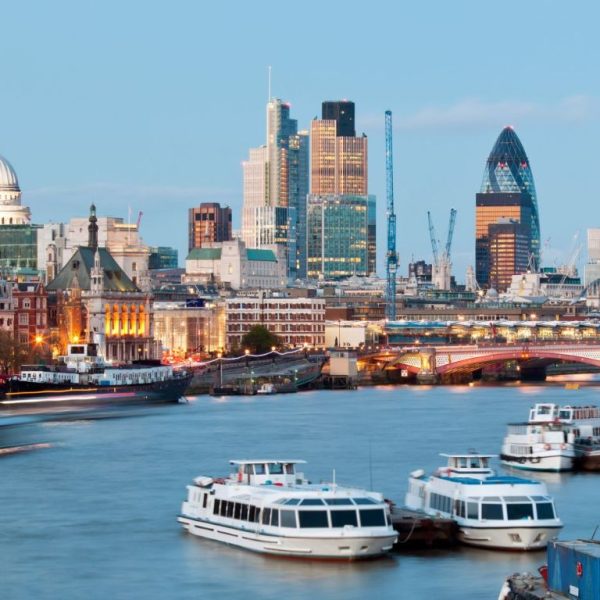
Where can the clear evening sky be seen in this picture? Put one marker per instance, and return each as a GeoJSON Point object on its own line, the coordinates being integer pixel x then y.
{"type": "Point", "coordinates": [154, 105]}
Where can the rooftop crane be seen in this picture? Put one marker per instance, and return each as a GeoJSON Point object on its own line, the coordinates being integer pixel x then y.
{"type": "Point", "coordinates": [391, 263]}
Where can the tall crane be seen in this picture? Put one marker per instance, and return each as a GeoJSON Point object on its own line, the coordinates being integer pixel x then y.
{"type": "Point", "coordinates": [442, 265]}
{"type": "Point", "coordinates": [391, 263]}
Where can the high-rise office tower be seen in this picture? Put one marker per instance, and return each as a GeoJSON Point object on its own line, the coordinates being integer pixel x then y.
{"type": "Point", "coordinates": [342, 112]}
{"type": "Point", "coordinates": [209, 222]}
{"type": "Point", "coordinates": [507, 192]}
{"type": "Point", "coordinates": [275, 188]}
{"type": "Point", "coordinates": [341, 213]}
{"type": "Point", "coordinates": [509, 252]}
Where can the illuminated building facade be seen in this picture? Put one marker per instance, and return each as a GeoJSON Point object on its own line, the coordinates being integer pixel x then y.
{"type": "Point", "coordinates": [98, 303]}
{"type": "Point", "coordinates": [508, 252]}
{"type": "Point", "coordinates": [507, 192]}
{"type": "Point", "coordinates": [209, 222]}
{"type": "Point", "coordinates": [341, 225]}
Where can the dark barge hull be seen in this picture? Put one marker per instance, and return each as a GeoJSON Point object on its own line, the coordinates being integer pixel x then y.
{"type": "Point", "coordinates": [21, 395]}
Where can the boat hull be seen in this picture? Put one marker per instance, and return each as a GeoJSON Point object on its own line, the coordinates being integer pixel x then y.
{"type": "Point", "coordinates": [542, 462]}
{"type": "Point", "coordinates": [588, 460]}
{"type": "Point", "coordinates": [31, 395]}
{"type": "Point", "coordinates": [344, 547]}
{"type": "Point", "coordinates": [507, 538]}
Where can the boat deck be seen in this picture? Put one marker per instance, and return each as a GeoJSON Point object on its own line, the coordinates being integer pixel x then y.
{"type": "Point", "coordinates": [415, 528]}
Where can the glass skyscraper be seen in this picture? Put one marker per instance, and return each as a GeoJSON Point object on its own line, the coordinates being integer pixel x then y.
{"type": "Point", "coordinates": [507, 192]}
{"type": "Point", "coordinates": [341, 236]}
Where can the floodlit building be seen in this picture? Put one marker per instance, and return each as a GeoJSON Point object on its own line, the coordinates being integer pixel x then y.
{"type": "Point", "coordinates": [209, 222]}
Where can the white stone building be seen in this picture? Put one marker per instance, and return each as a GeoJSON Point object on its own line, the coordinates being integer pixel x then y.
{"type": "Point", "coordinates": [11, 211]}
{"type": "Point", "coordinates": [232, 264]}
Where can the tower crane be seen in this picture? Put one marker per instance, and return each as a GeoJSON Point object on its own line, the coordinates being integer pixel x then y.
{"type": "Point", "coordinates": [391, 264]}
{"type": "Point", "coordinates": [442, 264]}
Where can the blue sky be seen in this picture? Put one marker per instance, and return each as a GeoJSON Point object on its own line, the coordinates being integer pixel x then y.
{"type": "Point", "coordinates": [154, 105]}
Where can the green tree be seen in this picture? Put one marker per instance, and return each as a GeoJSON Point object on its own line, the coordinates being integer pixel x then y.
{"type": "Point", "coordinates": [259, 339]}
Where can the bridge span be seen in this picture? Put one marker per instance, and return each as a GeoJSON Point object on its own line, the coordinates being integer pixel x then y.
{"type": "Point", "coordinates": [432, 364]}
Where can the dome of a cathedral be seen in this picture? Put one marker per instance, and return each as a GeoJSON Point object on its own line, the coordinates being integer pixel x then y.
{"type": "Point", "coordinates": [8, 177]}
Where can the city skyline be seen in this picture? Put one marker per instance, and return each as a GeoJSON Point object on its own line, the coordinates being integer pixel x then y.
{"type": "Point", "coordinates": [162, 152]}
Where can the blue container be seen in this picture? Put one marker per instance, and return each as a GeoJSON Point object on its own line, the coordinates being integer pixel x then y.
{"type": "Point", "coordinates": [574, 569]}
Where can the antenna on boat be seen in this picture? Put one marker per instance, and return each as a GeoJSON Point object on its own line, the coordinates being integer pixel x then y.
{"type": "Point", "coordinates": [594, 534]}
{"type": "Point", "coordinates": [370, 467]}
{"type": "Point", "coordinates": [333, 477]}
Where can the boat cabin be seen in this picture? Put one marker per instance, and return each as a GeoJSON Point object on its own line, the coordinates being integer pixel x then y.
{"type": "Point", "coordinates": [469, 465]}
{"type": "Point", "coordinates": [544, 413]}
{"type": "Point", "coordinates": [267, 472]}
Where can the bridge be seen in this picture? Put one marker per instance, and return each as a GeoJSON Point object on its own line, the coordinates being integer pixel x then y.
{"type": "Point", "coordinates": [443, 363]}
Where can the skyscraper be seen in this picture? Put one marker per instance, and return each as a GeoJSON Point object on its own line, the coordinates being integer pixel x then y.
{"type": "Point", "coordinates": [209, 222]}
{"type": "Point", "coordinates": [342, 112]}
{"type": "Point", "coordinates": [507, 192]}
{"type": "Point", "coordinates": [509, 252]}
{"type": "Point", "coordinates": [341, 213]}
{"type": "Point", "coordinates": [275, 188]}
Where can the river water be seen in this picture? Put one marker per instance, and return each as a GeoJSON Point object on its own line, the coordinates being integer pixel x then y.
{"type": "Point", "coordinates": [95, 515]}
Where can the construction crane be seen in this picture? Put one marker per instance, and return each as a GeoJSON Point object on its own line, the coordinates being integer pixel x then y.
{"type": "Point", "coordinates": [391, 263]}
{"type": "Point", "coordinates": [442, 265]}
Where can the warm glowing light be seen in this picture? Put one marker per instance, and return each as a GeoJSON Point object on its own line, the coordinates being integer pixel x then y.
{"type": "Point", "coordinates": [246, 351]}
{"type": "Point", "coordinates": [75, 339]}
{"type": "Point", "coordinates": [272, 348]}
{"type": "Point", "coordinates": [39, 339]}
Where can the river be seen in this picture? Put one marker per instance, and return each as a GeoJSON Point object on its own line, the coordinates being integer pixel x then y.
{"type": "Point", "coordinates": [94, 516]}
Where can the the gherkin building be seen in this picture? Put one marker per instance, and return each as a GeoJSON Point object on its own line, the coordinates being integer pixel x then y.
{"type": "Point", "coordinates": [507, 170]}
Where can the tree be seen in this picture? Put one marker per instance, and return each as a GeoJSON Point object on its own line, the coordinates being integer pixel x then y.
{"type": "Point", "coordinates": [12, 353]}
{"type": "Point", "coordinates": [259, 339]}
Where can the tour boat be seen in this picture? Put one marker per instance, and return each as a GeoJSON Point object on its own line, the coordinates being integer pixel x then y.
{"type": "Point", "coordinates": [491, 511]}
{"type": "Point", "coordinates": [584, 424]}
{"type": "Point", "coordinates": [267, 507]}
{"type": "Point", "coordinates": [82, 378]}
{"type": "Point", "coordinates": [541, 444]}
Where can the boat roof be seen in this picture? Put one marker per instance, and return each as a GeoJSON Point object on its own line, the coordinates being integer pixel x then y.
{"type": "Point", "coordinates": [267, 460]}
{"type": "Point", "coordinates": [496, 480]}
{"type": "Point", "coordinates": [469, 455]}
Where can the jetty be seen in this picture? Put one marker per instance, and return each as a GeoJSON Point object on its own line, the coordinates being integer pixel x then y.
{"type": "Point", "coordinates": [418, 529]}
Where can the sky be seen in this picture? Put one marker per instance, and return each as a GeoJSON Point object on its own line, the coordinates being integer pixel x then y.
{"type": "Point", "coordinates": [152, 106]}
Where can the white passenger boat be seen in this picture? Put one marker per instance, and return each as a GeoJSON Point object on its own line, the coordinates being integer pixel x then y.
{"type": "Point", "coordinates": [543, 443]}
{"type": "Point", "coordinates": [583, 422]}
{"type": "Point", "coordinates": [266, 506]}
{"type": "Point", "coordinates": [490, 511]}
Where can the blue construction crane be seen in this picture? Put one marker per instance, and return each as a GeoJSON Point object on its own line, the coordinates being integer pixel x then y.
{"type": "Point", "coordinates": [391, 264]}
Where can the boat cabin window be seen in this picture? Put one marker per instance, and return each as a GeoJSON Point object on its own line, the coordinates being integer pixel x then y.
{"type": "Point", "coordinates": [275, 517]}
{"type": "Point", "coordinates": [248, 470]}
{"type": "Point", "coordinates": [204, 500]}
{"type": "Point", "coordinates": [216, 508]}
{"type": "Point", "coordinates": [515, 512]}
{"type": "Point", "coordinates": [341, 518]}
{"type": "Point", "coordinates": [338, 501]}
{"type": "Point", "coordinates": [289, 468]}
{"type": "Point", "coordinates": [372, 517]}
{"type": "Point", "coordinates": [545, 510]}
{"type": "Point", "coordinates": [292, 501]}
{"type": "Point", "coordinates": [266, 516]}
{"type": "Point", "coordinates": [244, 512]}
{"type": "Point", "coordinates": [472, 510]}
{"type": "Point", "coordinates": [275, 469]}
{"type": "Point", "coordinates": [364, 501]}
{"type": "Point", "coordinates": [312, 502]}
{"type": "Point", "coordinates": [313, 518]}
{"type": "Point", "coordinates": [288, 518]}
{"type": "Point", "coordinates": [462, 462]}
{"type": "Point", "coordinates": [564, 414]}
{"type": "Point", "coordinates": [237, 511]}
{"type": "Point", "coordinates": [493, 512]}
{"type": "Point", "coordinates": [259, 469]}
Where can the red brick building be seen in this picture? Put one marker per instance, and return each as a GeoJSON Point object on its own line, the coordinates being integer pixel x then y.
{"type": "Point", "coordinates": [31, 311]}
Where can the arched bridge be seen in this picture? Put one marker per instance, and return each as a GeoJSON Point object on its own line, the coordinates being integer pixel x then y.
{"type": "Point", "coordinates": [430, 363]}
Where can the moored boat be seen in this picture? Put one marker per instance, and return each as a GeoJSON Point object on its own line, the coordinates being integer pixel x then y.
{"type": "Point", "coordinates": [491, 511]}
{"type": "Point", "coordinates": [541, 444]}
{"type": "Point", "coordinates": [268, 507]}
{"type": "Point", "coordinates": [84, 379]}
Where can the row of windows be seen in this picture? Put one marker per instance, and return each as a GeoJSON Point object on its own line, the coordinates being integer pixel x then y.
{"type": "Point", "coordinates": [495, 512]}
{"type": "Point", "coordinates": [302, 518]}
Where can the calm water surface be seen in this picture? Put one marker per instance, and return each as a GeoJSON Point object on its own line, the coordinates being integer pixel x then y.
{"type": "Point", "coordinates": [95, 516]}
